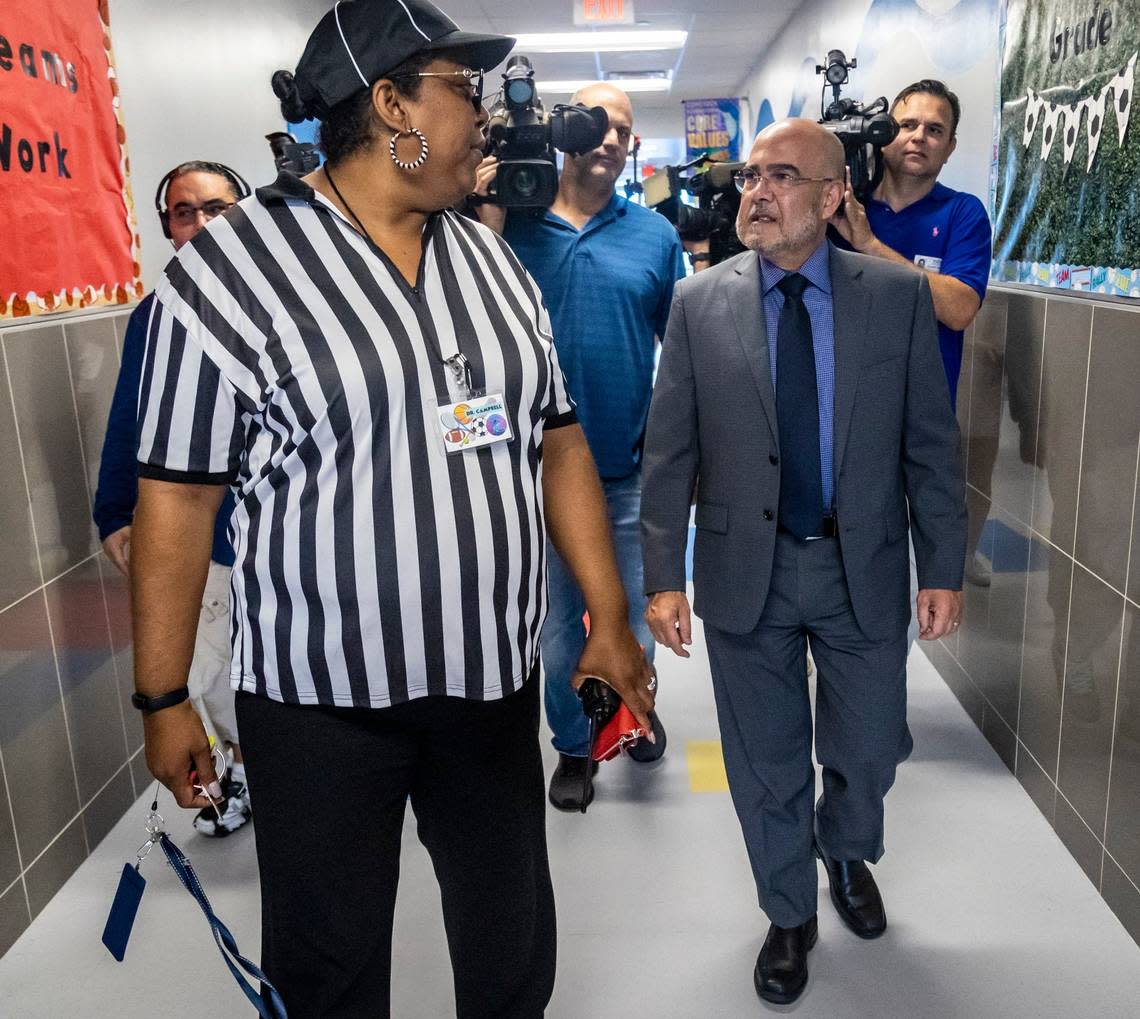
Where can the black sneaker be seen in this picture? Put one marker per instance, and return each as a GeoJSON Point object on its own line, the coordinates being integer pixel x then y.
{"type": "Point", "coordinates": [233, 807]}
{"type": "Point", "coordinates": [567, 781]}
{"type": "Point", "coordinates": [645, 752]}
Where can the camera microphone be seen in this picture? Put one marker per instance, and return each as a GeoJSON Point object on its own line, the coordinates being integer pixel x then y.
{"type": "Point", "coordinates": [863, 128]}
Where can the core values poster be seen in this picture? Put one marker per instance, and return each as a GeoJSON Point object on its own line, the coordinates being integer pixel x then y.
{"type": "Point", "coordinates": [712, 128]}
{"type": "Point", "coordinates": [68, 239]}
{"type": "Point", "coordinates": [1067, 160]}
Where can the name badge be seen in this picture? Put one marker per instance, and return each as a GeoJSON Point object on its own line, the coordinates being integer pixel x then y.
{"type": "Point", "coordinates": [928, 262]}
{"type": "Point", "coordinates": [473, 423]}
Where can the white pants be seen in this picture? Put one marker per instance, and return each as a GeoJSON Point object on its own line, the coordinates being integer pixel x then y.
{"type": "Point", "coordinates": [209, 679]}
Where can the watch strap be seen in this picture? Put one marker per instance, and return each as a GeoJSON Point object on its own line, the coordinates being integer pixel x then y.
{"type": "Point", "coordinates": [163, 700]}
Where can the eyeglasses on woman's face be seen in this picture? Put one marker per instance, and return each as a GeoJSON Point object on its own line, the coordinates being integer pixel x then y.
{"type": "Point", "coordinates": [471, 84]}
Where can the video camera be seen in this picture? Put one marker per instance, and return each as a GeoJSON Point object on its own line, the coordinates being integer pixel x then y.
{"type": "Point", "coordinates": [862, 128]}
{"type": "Point", "coordinates": [714, 218]}
{"type": "Point", "coordinates": [523, 136]}
{"type": "Point", "coordinates": [289, 154]}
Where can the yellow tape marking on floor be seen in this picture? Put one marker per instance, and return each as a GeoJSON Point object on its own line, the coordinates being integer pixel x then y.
{"type": "Point", "coordinates": [706, 766]}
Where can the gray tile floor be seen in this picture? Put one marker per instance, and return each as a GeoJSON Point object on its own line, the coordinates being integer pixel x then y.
{"type": "Point", "coordinates": [990, 915]}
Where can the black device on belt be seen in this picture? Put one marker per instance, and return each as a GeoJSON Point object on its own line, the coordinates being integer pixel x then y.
{"type": "Point", "coordinates": [828, 528]}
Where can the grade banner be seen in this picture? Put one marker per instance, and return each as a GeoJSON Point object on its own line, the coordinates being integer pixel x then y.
{"type": "Point", "coordinates": [67, 231]}
{"type": "Point", "coordinates": [1066, 193]}
{"type": "Point", "coordinates": [712, 128]}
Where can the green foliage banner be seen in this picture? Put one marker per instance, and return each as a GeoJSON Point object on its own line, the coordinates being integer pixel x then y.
{"type": "Point", "coordinates": [1067, 173]}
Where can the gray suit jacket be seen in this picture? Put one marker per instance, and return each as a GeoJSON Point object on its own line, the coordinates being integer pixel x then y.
{"type": "Point", "coordinates": [712, 428]}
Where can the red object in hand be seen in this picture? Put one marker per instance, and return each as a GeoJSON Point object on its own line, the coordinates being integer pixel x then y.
{"type": "Point", "coordinates": [619, 734]}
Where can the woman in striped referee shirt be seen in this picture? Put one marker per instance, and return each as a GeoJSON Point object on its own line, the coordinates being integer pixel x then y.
{"type": "Point", "coordinates": [375, 378]}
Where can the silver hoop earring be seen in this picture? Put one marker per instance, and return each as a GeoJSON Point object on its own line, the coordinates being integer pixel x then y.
{"type": "Point", "coordinates": [415, 164]}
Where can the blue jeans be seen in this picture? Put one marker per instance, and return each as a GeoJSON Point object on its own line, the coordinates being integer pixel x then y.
{"type": "Point", "coordinates": [564, 635]}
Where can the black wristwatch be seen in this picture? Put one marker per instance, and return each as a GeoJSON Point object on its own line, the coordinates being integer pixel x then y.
{"type": "Point", "coordinates": [163, 700]}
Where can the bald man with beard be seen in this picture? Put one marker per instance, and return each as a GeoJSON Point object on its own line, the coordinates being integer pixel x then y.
{"type": "Point", "coordinates": [801, 398]}
{"type": "Point", "coordinates": [606, 268]}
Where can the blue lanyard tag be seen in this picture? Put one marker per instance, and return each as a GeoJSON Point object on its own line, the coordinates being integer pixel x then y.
{"type": "Point", "coordinates": [121, 919]}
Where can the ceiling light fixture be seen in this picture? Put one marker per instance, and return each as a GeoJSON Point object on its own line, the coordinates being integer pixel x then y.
{"type": "Point", "coordinates": [625, 84]}
{"type": "Point", "coordinates": [609, 41]}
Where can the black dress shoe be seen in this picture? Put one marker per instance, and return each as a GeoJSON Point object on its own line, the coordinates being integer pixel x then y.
{"type": "Point", "coordinates": [781, 968]}
{"type": "Point", "coordinates": [568, 781]}
{"type": "Point", "coordinates": [855, 894]}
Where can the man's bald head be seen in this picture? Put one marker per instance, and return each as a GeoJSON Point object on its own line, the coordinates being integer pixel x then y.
{"type": "Point", "coordinates": [603, 94]}
{"type": "Point", "coordinates": [798, 172]}
{"type": "Point", "coordinates": [823, 154]}
{"type": "Point", "coordinates": [599, 169]}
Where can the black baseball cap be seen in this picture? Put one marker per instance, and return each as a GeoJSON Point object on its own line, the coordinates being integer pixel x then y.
{"type": "Point", "coordinates": [359, 41]}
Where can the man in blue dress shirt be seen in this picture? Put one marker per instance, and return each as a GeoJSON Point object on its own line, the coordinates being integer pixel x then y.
{"type": "Point", "coordinates": [606, 268]}
{"type": "Point", "coordinates": [802, 385]}
{"type": "Point", "coordinates": [195, 193]}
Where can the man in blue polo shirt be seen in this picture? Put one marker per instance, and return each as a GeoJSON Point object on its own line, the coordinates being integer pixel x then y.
{"type": "Point", "coordinates": [606, 268]}
{"type": "Point", "coordinates": [914, 220]}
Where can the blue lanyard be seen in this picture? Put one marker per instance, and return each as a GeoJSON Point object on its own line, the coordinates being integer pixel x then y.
{"type": "Point", "coordinates": [268, 1002]}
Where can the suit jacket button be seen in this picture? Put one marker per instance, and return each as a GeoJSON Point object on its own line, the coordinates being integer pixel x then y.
{"type": "Point", "coordinates": [773, 459]}
{"type": "Point", "coordinates": [767, 514]}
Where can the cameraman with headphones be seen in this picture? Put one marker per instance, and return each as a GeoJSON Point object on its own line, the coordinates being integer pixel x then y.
{"type": "Point", "coordinates": [188, 197]}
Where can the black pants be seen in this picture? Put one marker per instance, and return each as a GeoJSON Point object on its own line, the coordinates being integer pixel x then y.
{"type": "Point", "coordinates": [329, 787]}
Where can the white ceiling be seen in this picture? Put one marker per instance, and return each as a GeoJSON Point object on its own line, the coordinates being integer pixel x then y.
{"type": "Point", "coordinates": [726, 40]}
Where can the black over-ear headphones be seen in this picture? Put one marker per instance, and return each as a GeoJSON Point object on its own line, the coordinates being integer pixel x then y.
{"type": "Point", "coordinates": [241, 188]}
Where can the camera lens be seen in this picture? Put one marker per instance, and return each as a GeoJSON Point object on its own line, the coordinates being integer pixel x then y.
{"type": "Point", "coordinates": [520, 91]}
{"type": "Point", "coordinates": [525, 183]}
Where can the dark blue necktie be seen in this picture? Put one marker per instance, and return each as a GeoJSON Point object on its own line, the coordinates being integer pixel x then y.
{"type": "Point", "coordinates": [797, 411]}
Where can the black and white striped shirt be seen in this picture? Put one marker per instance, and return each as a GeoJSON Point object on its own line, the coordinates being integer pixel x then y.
{"type": "Point", "coordinates": [288, 357]}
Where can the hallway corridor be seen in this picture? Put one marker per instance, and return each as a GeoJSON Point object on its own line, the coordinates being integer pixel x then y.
{"type": "Point", "coordinates": [989, 914]}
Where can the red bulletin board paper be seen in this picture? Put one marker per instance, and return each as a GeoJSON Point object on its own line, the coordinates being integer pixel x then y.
{"type": "Point", "coordinates": [67, 237]}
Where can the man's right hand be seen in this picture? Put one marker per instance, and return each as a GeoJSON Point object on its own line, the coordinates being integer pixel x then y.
{"type": "Point", "coordinates": [176, 744]}
{"type": "Point", "coordinates": [670, 621]}
{"type": "Point", "coordinates": [850, 220]}
{"type": "Point", "coordinates": [117, 545]}
{"type": "Point", "coordinates": [493, 216]}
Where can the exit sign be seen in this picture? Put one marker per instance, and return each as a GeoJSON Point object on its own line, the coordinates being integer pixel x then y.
{"type": "Point", "coordinates": [603, 12]}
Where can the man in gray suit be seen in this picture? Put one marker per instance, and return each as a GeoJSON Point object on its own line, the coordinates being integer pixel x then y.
{"type": "Point", "coordinates": [801, 395]}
